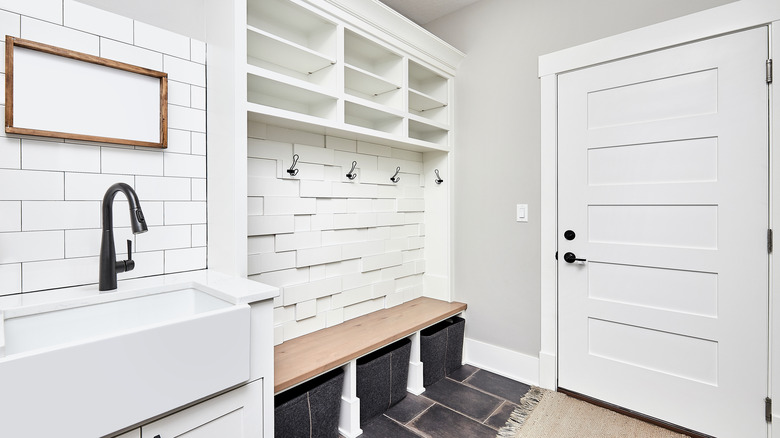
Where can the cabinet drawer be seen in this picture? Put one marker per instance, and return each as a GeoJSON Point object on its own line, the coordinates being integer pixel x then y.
{"type": "Point", "coordinates": [235, 414]}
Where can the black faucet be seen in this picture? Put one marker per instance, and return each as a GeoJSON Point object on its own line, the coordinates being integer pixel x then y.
{"type": "Point", "coordinates": [108, 266]}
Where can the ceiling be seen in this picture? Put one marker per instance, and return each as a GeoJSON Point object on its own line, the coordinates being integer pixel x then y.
{"type": "Point", "coordinates": [425, 11]}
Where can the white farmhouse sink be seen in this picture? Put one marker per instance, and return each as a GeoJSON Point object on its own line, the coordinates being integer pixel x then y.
{"type": "Point", "coordinates": [92, 366]}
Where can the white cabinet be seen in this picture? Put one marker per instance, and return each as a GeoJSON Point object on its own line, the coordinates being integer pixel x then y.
{"type": "Point", "coordinates": [235, 414]}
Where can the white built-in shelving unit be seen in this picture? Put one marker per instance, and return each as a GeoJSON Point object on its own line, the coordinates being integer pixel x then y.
{"type": "Point", "coordinates": [315, 69]}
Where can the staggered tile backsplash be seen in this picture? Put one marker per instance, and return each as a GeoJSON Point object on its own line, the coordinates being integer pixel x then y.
{"type": "Point", "coordinates": [51, 191]}
{"type": "Point", "coordinates": [337, 248]}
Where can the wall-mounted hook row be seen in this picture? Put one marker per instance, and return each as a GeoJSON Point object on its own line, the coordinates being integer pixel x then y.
{"type": "Point", "coordinates": [292, 170]}
{"type": "Point", "coordinates": [395, 178]}
{"type": "Point", "coordinates": [352, 175]}
{"type": "Point", "coordinates": [438, 178]}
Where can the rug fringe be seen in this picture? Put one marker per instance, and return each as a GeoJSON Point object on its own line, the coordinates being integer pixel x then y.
{"type": "Point", "coordinates": [522, 412]}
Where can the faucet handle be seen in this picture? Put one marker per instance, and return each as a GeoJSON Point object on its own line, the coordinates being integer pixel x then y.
{"type": "Point", "coordinates": [129, 264]}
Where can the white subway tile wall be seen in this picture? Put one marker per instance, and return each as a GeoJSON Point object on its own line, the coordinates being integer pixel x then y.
{"type": "Point", "coordinates": [51, 191]}
{"type": "Point", "coordinates": [337, 248]}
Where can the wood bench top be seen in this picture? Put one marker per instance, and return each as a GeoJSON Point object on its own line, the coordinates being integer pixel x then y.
{"type": "Point", "coordinates": [308, 356]}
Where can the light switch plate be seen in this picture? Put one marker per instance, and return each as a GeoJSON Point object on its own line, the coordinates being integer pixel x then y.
{"type": "Point", "coordinates": [522, 212]}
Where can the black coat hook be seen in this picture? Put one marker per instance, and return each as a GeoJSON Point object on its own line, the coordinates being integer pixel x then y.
{"type": "Point", "coordinates": [352, 174]}
{"type": "Point", "coordinates": [395, 178]}
{"type": "Point", "coordinates": [438, 178]}
{"type": "Point", "coordinates": [292, 170]}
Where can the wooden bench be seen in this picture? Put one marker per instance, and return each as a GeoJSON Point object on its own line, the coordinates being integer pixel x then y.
{"type": "Point", "coordinates": [305, 357]}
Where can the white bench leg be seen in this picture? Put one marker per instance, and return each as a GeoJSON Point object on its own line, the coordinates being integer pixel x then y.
{"type": "Point", "coordinates": [414, 382]}
{"type": "Point", "coordinates": [349, 417]}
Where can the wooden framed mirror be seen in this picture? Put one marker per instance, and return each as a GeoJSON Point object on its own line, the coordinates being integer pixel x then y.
{"type": "Point", "coordinates": [118, 103]}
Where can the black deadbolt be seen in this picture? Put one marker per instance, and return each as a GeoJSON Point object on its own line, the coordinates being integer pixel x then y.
{"type": "Point", "coordinates": [569, 235]}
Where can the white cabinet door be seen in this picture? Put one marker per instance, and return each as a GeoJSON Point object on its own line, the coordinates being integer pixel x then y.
{"type": "Point", "coordinates": [663, 215]}
{"type": "Point", "coordinates": [236, 414]}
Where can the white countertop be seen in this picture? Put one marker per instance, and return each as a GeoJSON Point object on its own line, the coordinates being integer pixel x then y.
{"type": "Point", "coordinates": [234, 289]}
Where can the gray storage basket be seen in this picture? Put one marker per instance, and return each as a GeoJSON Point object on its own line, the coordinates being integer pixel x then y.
{"type": "Point", "coordinates": [310, 409]}
{"type": "Point", "coordinates": [453, 358]}
{"type": "Point", "coordinates": [381, 379]}
{"type": "Point", "coordinates": [441, 349]}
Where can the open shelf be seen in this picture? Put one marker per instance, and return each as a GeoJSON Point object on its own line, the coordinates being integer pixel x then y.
{"type": "Point", "coordinates": [275, 94]}
{"type": "Point", "coordinates": [428, 133]}
{"type": "Point", "coordinates": [421, 102]}
{"type": "Point", "coordinates": [428, 84]}
{"type": "Point", "coordinates": [368, 57]}
{"type": "Point", "coordinates": [283, 119]}
{"type": "Point", "coordinates": [293, 23]}
{"type": "Point", "coordinates": [271, 52]}
{"type": "Point", "coordinates": [360, 115]}
{"type": "Point", "coordinates": [367, 85]}
{"type": "Point", "coordinates": [426, 107]}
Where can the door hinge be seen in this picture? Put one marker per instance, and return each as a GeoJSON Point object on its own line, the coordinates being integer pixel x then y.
{"type": "Point", "coordinates": [768, 409]}
{"type": "Point", "coordinates": [768, 71]}
{"type": "Point", "coordinates": [769, 241]}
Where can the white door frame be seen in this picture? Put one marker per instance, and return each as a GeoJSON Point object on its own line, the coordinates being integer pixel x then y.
{"type": "Point", "coordinates": [717, 21]}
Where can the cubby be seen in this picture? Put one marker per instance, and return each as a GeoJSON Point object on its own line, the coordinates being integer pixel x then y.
{"type": "Point", "coordinates": [428, 132]}
{"type": "Point", "coordinates": [294, 23]}
{"type": "Point", "coordinates": [289, 39]}
{"type": "Point", "coordinates": [372, 71]}
{"type": "Point", "coordinates": [271, 93]}
{"type": "Point", "coordinates": [428, 93]}
{"type": "Point", "coordinates": [366, 117]}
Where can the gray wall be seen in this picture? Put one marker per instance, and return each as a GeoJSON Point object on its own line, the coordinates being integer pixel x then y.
{"type": "Point", "coordinates": [497, 115]}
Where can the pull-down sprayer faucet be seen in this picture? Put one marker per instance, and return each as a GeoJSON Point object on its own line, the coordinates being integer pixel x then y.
{"type": "Point", "coordinates": [108, 266]}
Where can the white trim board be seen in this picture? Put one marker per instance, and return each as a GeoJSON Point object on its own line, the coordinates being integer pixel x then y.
{"type": "Point", "coordinates": [732, 17]}
{"type": "Point", "coordinates": [499, 360]}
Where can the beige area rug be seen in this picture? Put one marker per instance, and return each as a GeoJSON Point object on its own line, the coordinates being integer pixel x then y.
{"type": "Point", "coordinates": [543, 414]}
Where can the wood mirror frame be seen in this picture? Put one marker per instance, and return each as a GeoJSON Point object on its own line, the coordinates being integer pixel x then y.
{"type": "Point", "coordinates": [119, 103]}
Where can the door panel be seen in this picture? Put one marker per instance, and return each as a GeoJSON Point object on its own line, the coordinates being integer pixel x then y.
{"type": "Point", "coordinates": [663, 175]}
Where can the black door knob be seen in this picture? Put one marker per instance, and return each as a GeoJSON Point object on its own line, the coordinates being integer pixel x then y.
{"type": "Point", "coordinates": [570, 257]}
{"type": "Point", "coordinates": [569, 235]}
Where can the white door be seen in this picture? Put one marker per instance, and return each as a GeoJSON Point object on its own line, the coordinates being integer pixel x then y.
{"type": "Point", "coordinates": [663, 179]}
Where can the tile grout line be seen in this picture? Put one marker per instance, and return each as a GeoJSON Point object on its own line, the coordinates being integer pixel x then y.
{"type": "Point", "coordinates": [424, 410]}
{"type": "Point", "coordinates": [411, 429]}
{"type": "Point", "coordinates": [469, 376]}
{"type": "Point", "coordinates": [490, 393]}
{"type": "Point", "coordinates": [454, 410]}
{"type": "Point", "coordinates": [494, 413]}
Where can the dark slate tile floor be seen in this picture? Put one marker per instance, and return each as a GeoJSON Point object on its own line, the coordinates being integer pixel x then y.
{"type": "Point", "coordinates": [469, 403]}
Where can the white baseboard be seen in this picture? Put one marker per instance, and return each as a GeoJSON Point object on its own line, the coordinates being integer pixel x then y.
{"type": "Point", "coordinates": [548, 378]}
{"type": "Point", "coordinates": [499, 360]}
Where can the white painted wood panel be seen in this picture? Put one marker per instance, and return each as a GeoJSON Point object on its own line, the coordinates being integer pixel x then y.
{"type": "Point", "coordinates": [691, 160]}
{"type": "Point", "coordinates": [668, 289]}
